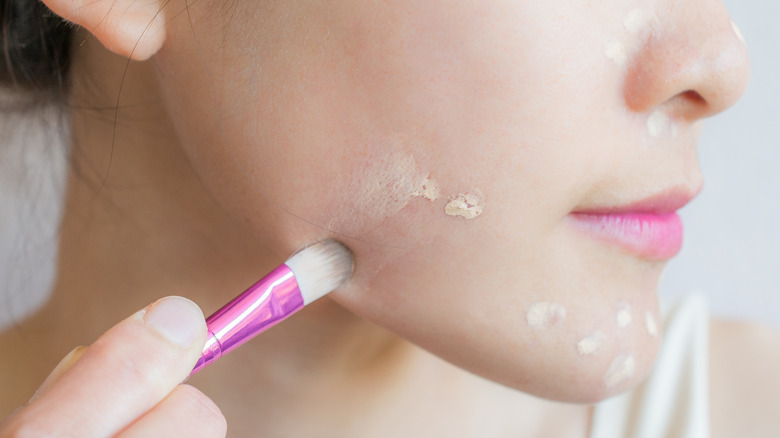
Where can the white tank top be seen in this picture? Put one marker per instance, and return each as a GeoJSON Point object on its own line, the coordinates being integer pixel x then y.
{"type": "Point", "coordinates": [674, 401]}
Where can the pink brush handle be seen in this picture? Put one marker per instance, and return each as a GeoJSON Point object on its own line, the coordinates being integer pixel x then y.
{"type": "Point", "coordinates": [266, 303]}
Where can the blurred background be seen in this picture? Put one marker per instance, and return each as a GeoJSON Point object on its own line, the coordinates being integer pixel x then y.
{"type": "Point", "coordinates": [732, 230]}
{"type": "Point", "coordinates": [732, 247]}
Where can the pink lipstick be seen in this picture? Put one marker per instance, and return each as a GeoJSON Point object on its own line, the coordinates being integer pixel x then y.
{"type": "Point", "coordinates": [649, 228]}
{"type": "Point", "coordinates": [650, 236]}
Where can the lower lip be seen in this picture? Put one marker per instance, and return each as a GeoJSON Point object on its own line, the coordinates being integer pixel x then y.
{"type": "Point", "coordinates": [650, 236]}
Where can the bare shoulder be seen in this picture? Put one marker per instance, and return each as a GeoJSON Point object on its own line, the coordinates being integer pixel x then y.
{"type": "Point", "coordinates": [744, 379]}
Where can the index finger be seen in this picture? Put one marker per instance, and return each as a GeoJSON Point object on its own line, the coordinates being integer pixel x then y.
{"type": "Point", "coordinates": [126, 372]}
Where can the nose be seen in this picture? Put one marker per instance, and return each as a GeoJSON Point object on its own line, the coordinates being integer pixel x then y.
{"type": "Point", "coordinates": [694, 64]}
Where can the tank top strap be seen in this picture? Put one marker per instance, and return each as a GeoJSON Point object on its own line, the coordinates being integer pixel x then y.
{"type": "Point", "coordinates": [674, 401]}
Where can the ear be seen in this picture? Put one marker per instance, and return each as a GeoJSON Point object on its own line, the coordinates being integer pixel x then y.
{"type": "Point", "coordinates": [131, 28]}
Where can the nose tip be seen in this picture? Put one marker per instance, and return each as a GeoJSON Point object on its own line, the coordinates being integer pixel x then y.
{"type": "Point", "coordinates": [694, 69]}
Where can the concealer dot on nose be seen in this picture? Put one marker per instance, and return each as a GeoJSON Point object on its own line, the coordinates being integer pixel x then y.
{"type": "Point", "coordinates": [738, 32]}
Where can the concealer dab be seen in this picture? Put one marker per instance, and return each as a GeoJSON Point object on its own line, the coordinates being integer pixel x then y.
{"type": "Point", "coordinates": [465, 205]}
{"type": "Point", "coordinates": [659, 124]}
{"type": "Point", "coordinates": [650, 325]}
{"type": "Point", "coordinates": [592, 344]}
{"type": "Point", "coordinates": [623, 317]}
{"type": "Point", "coordinates": [636, 22]}
{"type": "Point", "coordinates": [639, 20]}
{"type": "Point", "coordinates": [616, 52]}
{"type": "Point", "coordinates": [621, 369]}
{"type": "Point", "coordinates": [738, 32]}
{"type": "Point", "coordinates": [429, 190]}
{"type": "Point", "coordinates": [545, 314]}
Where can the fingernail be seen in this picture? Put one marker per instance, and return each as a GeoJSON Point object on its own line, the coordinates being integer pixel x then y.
{"type": "Point", "coordinates": [59, 370]}
{"type": "Point", "coordinates": [178, 319]}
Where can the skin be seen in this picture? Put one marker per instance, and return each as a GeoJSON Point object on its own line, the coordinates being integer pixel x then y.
{"type": "Point", "coordinates": [255, 128]}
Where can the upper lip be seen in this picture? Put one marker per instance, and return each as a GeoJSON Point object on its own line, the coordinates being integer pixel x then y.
{"type": "Point", "coordinates": [665, 201]}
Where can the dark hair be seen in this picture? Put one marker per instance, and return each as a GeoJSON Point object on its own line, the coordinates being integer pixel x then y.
{"type": "Point", "coordinates": [35, 46]}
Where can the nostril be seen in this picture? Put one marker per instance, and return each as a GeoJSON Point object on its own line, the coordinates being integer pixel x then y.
{"type": "Point", "coordinates": [688, 105]}
{"type": "Point", "coordinates": [694, 97]}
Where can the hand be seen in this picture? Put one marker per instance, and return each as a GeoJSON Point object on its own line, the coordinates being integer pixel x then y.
{"type": "Point", "coordinates": [127, 383]}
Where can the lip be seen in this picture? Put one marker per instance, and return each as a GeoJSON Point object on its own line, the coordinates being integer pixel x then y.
{"type": "Point", "coordinates": [649, 228]}
{"type": "Point", "coordinates": [667, 201]}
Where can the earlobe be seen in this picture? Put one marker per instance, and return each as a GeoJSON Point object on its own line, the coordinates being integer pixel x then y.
{"type": "Point", "coordinates": [127, 27]}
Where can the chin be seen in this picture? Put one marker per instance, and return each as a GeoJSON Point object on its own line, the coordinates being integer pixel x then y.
{"type": "Point", "coordinates": [480, 322]}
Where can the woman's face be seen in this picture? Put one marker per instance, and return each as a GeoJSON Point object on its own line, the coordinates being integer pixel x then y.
{"type": "Point", "coordinates": [449, 143]}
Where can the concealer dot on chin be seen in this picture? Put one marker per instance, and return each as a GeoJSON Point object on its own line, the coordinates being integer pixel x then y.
{"type": "Point", "coordinates": [545, 315]}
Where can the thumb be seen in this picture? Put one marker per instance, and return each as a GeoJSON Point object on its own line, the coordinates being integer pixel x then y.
{"type": "Point", "coordinates": [122, 375]}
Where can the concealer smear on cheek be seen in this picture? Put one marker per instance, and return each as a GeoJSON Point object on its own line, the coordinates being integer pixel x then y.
{"type": "Point", "coordinates": [592, 344]}
{"type": "Point", "coordinates": [545, 315]}
{"type": "Point", "coordinates": [620, 370]}
{"type": "Point", "coordinates": [386, 184]}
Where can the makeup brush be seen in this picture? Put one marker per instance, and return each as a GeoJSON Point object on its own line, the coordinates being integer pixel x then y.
{"type": "Point", "coordinates": [306, 276]}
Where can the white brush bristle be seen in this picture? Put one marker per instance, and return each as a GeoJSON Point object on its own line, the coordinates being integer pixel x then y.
{"type": "Point", "coordinates": [320, 268]}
